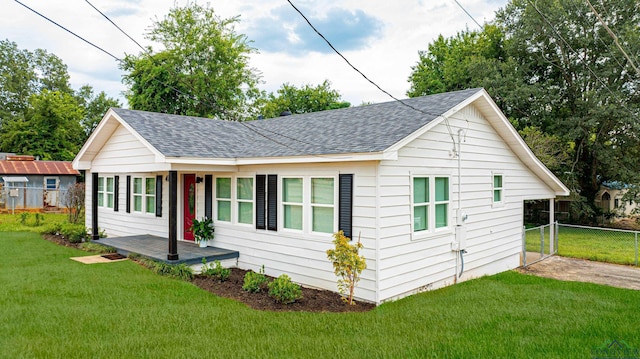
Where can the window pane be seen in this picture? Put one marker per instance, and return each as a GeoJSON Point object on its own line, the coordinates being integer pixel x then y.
{"type": "Point", "coordinates": [497, 181]}
{"type": "Point", "coordinates": [100, 199]}
{"type": "Point", "coordinates": [420, 190]}
{"type": "Point", "coordinates": [150, 187]}
{"type": "Point", "coordinates": [323, 219]}
{"type": "Point", "coordinates": [224, 211]}
{"type": "Point", "coordinates": [441, 215]}
{"type": "Point", "coordinates": [442, 189]}
{"type": "Point", "coordinates": [245, 212]}
{"type": "Point", "coordinates": [245, 188]}
{"type": "Point", "coordinates": [151, 204]}
{"type": "Point", "coordinates": [322, 190]}
{"type": "Point", "coordinates": [420, 218]}
{"type": "Point", "coordinates": [51, 183]}
{"type": "Point", "coordinates": [223, 188]}
{"type": "Point", "coordinates": [109, 184]}
{"type": "Point", "coordinates": [497, 195]}
{"type": "Point", "coordinates": [292, 190]}
{"type": "Point", "coordinates": [137, 203]}
{"type": "Point", "coordinates": [137, 185]}
{"type": "Point", "coordinates": [100, 184]}
{"type": "Point", "coordinates": [293, 217]}
{"type": "Point", "coordinates": [110, 200]}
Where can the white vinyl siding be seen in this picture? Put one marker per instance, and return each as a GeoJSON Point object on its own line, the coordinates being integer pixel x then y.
{"type": "Point", "coordinates": [493, 232]}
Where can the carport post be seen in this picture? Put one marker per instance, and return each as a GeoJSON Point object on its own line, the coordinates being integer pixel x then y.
{"type": "Point", "coordinates": [552, 221]}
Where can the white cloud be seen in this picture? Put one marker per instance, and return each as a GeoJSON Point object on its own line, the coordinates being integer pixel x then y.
{"type": "Point", "coordinates": [407, 26]}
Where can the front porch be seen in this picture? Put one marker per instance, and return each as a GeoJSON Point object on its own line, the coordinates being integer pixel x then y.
{"type": "Point", "coordinates": [156, 248]}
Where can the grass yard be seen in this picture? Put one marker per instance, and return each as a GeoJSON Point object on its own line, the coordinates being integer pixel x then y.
{"type": "Point", "coordinates": [55, 307]}
{"type": "Point", "coordinates": [597, 245]}
{"type": "Point", "coordinates": [13, 222]}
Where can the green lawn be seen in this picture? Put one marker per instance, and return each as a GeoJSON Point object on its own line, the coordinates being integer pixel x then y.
{"type": "Point", "coordinates": [597, 245]}
{"type": "Point", "coordinates": [54, 307]}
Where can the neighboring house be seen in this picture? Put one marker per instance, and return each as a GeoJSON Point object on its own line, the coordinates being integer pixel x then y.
{"type": "Point", "coordinates": [26, 183]}
{"type": "Point", "coordinates": [609, 198]}
{"type": "Point", "coordinates": [417, 182]}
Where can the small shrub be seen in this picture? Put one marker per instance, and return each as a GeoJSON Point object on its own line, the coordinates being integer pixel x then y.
{"type": "Point", "coordinates": [216, 270]}
{"type": "Point", "coordinates": [74, 233]}
{"type": "Point", "coordinates": [96, 248]}
{"type": "Point", "coordinates": [74, 201]}
{"type": "Point", "coordinates": [254, 282]}
{"type": "Point", "coordinates": [283, 290]}
{"type": "Point", "coordinates": [179, 271]}
{"type": "Point", "coordinates": [23, 217]}
{"type": "Point", "coordinates": [52, 228]}
{"type": "Point", "coordinates": [39, 219]}
{"type": "Point", "coordinates": [348, 264]}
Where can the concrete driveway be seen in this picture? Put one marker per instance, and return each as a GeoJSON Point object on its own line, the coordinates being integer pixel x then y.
{"type": "Point", "coordinates": [580, 270]}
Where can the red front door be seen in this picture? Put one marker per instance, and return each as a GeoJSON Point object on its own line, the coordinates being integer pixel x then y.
{"type": "Point", "coordinates": [189, 208]}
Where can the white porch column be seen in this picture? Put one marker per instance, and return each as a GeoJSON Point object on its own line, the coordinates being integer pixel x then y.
{"type": "Point", "coordinates": [552, 221]}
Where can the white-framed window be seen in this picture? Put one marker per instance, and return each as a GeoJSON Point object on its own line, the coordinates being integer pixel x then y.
{"type": "Point", "coordinates": [144, 195]}
{"type": "Point", "coordinates": [292, 202]}
{"type": "Point", "coordinates": [150, 195]}
{"type": "Point", "coordinates": [51, 183]}
{"type": "Point", "coordinates": [109, 192]}
{"type": "Point", "coordinates": [223, 199]}
{"type": "Point", "coordinates": [322, 205]}
{"type": "Point", "coordinates": [101, 191]}
{"type": "Point", "coordinates": [498, 189]}
{"type": "Point", "coordinates": [244, 197]}
{"type": "Point", "coordinates": [430, 208]}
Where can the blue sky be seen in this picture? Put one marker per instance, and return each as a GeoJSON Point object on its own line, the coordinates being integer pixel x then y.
{"type": "Point", "coordinates": [381, 38]}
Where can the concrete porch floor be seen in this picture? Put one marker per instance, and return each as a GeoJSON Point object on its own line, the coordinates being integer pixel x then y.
{"type": "Point", "coordinates": [157, 248]}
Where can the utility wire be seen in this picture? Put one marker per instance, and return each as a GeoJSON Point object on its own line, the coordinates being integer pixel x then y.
{"type": "Point", "coordinates": [614, 37]}
{"type": "Point", "coordinates": [114, 24]}
{"type": "Point", "coordinates": [555, 31]}
{"type": "Point", "coordinates": [468, 14]}
{"type": "Point", "coordinates": [365, 76]}
{"type": "Point", "coordinates": [71, 32]}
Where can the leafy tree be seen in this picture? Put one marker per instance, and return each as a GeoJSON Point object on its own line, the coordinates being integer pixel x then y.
{"type": "Point", "coordinates": [551, 65]}
{"type": "Point", "coordinates": [203, 69]}
{"type": "Point", "coordinates": [348, 264]}
{"type": "Point", "coordinates": [50, 127]}
{"type": "Point", "coordinates": [302, 100]}
{"type": "Point", "coordinates": [95, 107]}
{"type": "Point", "coordinates": [23, 73]}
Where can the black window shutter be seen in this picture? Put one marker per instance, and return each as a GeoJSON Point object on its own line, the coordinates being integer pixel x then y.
{"type": "Point", "coordinates": [261, 222]}
{"type": "Point", "coordinates": [159, 196]}
{"type": "Point", "coordinates": [116, 192]}
{"type": "Point", "coordinates": [208, 196]}
{"type": "Point", "coordinates": [345, 204]}
{"type": "Point", "coordinates": [128, 195]}
{"type": "Point", "coordinates": [272, 202]}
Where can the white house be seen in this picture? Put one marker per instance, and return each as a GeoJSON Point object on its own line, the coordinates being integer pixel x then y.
{"type": "Point", "coordinates": [430, 185]}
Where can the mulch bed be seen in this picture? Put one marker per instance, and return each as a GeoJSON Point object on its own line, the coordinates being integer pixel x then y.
{"type": "Point", "coordinates": [313, 300]}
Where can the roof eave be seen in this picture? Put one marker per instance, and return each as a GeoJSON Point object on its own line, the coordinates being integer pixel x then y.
{"type": "Point", "coordinates": [320, 158]}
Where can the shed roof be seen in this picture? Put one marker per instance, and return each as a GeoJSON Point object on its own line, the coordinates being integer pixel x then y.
{"type": "Point", "coordinates": [37, 168]}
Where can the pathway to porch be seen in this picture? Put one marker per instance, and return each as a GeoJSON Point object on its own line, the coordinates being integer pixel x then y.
{"type": "Point", "coordinates": [157, 248]}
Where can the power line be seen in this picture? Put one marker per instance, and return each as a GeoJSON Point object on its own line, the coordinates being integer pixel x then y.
{"type": "Point", "coordinates": [69, 31]}
{"type": "Point", "coordinates": [365, 76]}
{"type": "Point", "coordinates": [114, 24]}
{"type": "Point", "coordinates": [614, 37]}
{"type": "Point", "coordinates": [621, 103]}
{"type": "Point", "coordinates": [468, 14]}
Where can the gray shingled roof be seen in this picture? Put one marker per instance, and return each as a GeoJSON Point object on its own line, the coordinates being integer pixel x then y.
{"type": "Point", "coordinates": [363, 129]}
